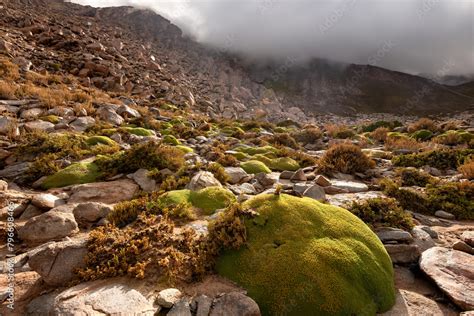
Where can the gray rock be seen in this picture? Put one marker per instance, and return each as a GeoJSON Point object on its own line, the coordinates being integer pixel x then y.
{"type": "Point", "coordinates": [387, 234]}
{"type": "Point", "coordinates": [203, 305]}
{"type": "Point", "coordinates": [452, 271]}
{"type": "Point", "coordinates": [433, 234]}
{"type": "Point", "coordinates": [30, 212]}
{"type": "Point", "coordinates": [31, 114]}
{"type": "Point", "coordinates": [104, 192]}
{"type": "Point", "coordinates": [322, 181]}
{"type": "Point", "coordinates": [109, 115]}
{"type": "Point", "coordinates": [237, 175]}
{"type": "Point", "coordinates": [299, 176]}
{"type": "Point", "coordinates": [82, 123]}
{"type": "Point", "coordinates": [286, 174]}
{"type": "Point", "coordinates": [46, 201]}
{"type": "Point", "coordinates": [401, 253]}
{"type": "Point", "coordinates": [126, 111]}
{"type": "Point", "coordinates": [168, 297]}
{"type": "Point", "coordinates": [422, 239]}
{"type": "Point", "coordinates": [90, 212]}
{"type": "Point", "coordinates": [8, 126]}
{"type": "Point", "coordinates": [201, 180]}
{"type": "Point", "coordinates": [350, 186]}
{"type": "Point", "coordinates": [315, 192]}
{"type": "Point", "coordinates": [462, 246]}
{"type": "Point", "coordinates": [267, 179]}
{"type": "Point", "coordinates": [234, 304]}
{"type": "Point", "coordinates": [39, 125]}
{"type": "Point", "coordinates": [51, 225]}
{"type": "Point", "coordinates": [180, 308]}
{"type": "Point", "coordinates": [141, 177]}
{"type": "Point", "coordinates": [443, 214]}
{"type": "Point", "coordinates": [57, 261]}
{"type": "Point", "coordinates": [13, 171]}
{"type": "Point", "coordinates": [102, 297]}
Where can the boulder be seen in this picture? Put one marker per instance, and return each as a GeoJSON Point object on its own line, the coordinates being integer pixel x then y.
{"type": "Point", "coordinates": [82, 123]}
{"type": "Point", "coordinates": [51, 225]}
{"type": "Point", "coordinates": [322, 181]}
{"type": "Point", "coordinates": [180, 308]}
{"type": "Point", "coordinates": [109, 115]}
{"type": "Point", "coordinates": [8, 125]}
{"type": "Point", "coordinates": [56, 262]}
{"type": "Point", "coordinates": [462, 246]}
{"type": "Point", "coordinates": [298, 176]}
{"type": "Point", "coordinates": [237, 175]}
{"type": "Point", "coordinates": [387, 234]}
{"type": "Point", "coordinates": [201, 180]}
{"type": "Point", "coordinates": [350, 186]}
{"type": "Point", "coordinates": [468, 237]}
{"type": "Point", "coordinates": [422, 239]}
{"type": "Point", "coordinates": [267, 179]}
{"type": "Point", "coordinates": [413, 304]}
{"type": "Point", "coordinates": [39, 125]}
{"type": "Point", "coordinates": [402, 253]}
{"type": "Point", "coordinates": [453, 272]}
{"type": "Point", "coordinates": [141, 177]}
{"type": "Point", "coordinates": [90, 212]}
{"type": "Point", "coordinates": [202, 305]}
{"type": "Point", "coordinates": [443, 214]}
{"type": "Point", "coordinates": [102, 297]}
{"type": "Point", "coordinates": [168, 297]}
{"type": "Point", "coordinates": [104, 192]}
{"type": "Point", "coordinates": [234, 304]}
{"type": "Point", "coordinates": [46, 201]}
{"type": "Point", "coordinates": [315, 192]}
{"type": "Point", "coordinates": [13, 171]}
{"type": "Point", "coordinates": [303, 257]}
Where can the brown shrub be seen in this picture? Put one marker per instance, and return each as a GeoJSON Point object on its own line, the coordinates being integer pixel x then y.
{"type": "Point", "coordinates": [402, 143]}
{"type": "Point", "coordinates": [339, 131]}
{"type": "Point", "coordinates": [423, 123]}
{"type": "Point", "coordinates": [308, 135]}
{"type": "Point", "coordinates": [380, 134]}
{"type": "Point", "coordinates": [7, 90]}
{"type": "Point", "coordinates": [345, 158]}
{"type": "Point", "coordinates": [8, 70]}
{"type": "Point", "coordinates": [467, 169]}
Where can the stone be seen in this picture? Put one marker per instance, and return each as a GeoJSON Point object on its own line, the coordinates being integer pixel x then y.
{"type": "Point", "coordinates": [180, 308]}
{"type": "Point", "coordinates": [201, 180]}
{"type": "Point", "coordinates": [101, 297]}
{"type": "Point", "coordinates": [433, 234]}
{"type": "Point", "coordinates": [234, 304]}
{"type": "Point", "coordinates": [286, 174]}
{"type": "Point", "coordinates": [468, 237]}
{"type": "Point", "coordinates": [387, 234]}
{"type": "Point", "coordinates": [413, 304]}
{"type": "Point", "coordinates": [126, 111]}
{"type": "Point", "coordinates": [322, 181]}
{"type": "Point", "coordinates": [462, 246]}
{"type": "Point", "coordinates": [422, 239]}
{"type": "Point", "coordinates": [3, 185]}
{"type": "Point", "coordinates": [31, 114]}
{"type": "Point", "coordinates": [298, 176]}
{"type": "Point", "coordinates": [39, 125]}
{"type": "Point", "coordinates": [104, 192]}
{"type": "Point", "coordinates": [90, 212]}
{"type": "Point", "coordinates": [46, 201]}
{"type": "Point", "coordinates": [452, 271]}
{"type": "Point", "coordinates": [443, 214]}
{"type": "Point", "coordinates": [402, 253]}
{"type": "Point", "coordinates": [30, 212]}
{"type": "Point", "coordinates": [168, 297]}
{"type": "Point", "coordinates": [267, 179]}
{"type": "Point", "coordinates": [82, 123]}
{"type": "Point", "coordinates": [13, 171]}
{"type": "Point", "coordinates": [350, 186]}
{"type": "Point", "coordinates": [48, 226]}
{"type": "Point", "coordinates": [202, 305]}
{"type": "Point", "coordinates": [56, 262]}
{"type": "Point", "coordinates": [109, 115]}
{"type": "Point", "coordinates": [237, 175]}
{"type": "Point", "coordinates": [141, 177]}
{"type": "Point", "coordinates": [315, 192]}
{"type": "Point", "coordinates": [8, 126]}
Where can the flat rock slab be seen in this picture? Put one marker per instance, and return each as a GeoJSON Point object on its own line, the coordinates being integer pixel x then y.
{"type": "Point", "coordinates": [103, 297]}
{"type": "Point", "coordinates": [453, 272]}
{"type": "Point", "coordinates": [350, 186]}
{"type": "Point", "coordinates": [346, 199]}
{"type": "Point", "coordinates": [104, 192]}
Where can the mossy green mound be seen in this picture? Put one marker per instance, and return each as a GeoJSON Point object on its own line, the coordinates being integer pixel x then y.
{"type": "Point", "coordinates": [171, 140]}
{"type": "Point", "coordinates": [50, 118]}
{"type": "Point", "coordinates": [256, 150]}
{"type": "Point", "coordinates": [422, 134]}
{"type": "Point", "coordinates": [208, 199]}
{"type": "Point", "coordinates": [139, 131]}
{"type": "Point", "coordinates": [96, 140]}
{"type": "Point", "coordinates": [279, 164]}
{"type": "Point", "coordinates": [185, 149]}
{"type": "Point", "coordinates": [254, 167]}
{"type": "Point", "coordinates": [306, 258]}
{"type": "Point", "coordinates": [77, 173]}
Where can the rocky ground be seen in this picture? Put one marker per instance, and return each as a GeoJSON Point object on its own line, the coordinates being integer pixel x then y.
{"type": "Point", "coordinates": [124, 194]}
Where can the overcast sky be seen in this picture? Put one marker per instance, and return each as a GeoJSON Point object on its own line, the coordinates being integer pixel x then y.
{"type": "Point", "coordinates": [415, 36]}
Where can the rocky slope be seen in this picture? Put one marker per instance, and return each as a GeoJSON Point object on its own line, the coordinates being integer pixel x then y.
{"type": "Point", "coordinates": [121, 192]}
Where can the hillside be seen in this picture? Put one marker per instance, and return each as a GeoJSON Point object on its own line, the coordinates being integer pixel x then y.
{"type": "Point", "coordinates": [141, 175]}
